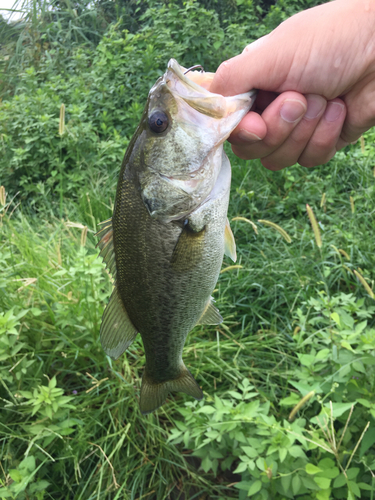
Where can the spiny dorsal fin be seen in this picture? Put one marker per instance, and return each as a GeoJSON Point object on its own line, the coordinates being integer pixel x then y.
{"type": "Point", "coordinates": [210, 315]}
{"type": "Point", "coordinates": [117, 331]}
{"type": "Point", "coordinates": [229, 243]}
{"type": "Point", "coordinates": [153, 395]}
{"type": "Point", "coordinates": [105, 244]}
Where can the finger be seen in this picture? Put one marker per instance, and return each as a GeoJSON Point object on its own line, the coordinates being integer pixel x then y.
{"type": "Point", "coordinates": [280, 118]}
{"type": "Point", "coordinates": [322, 145]}
{"type": "Point", "coordinates": [251, 130]}
{"type": "Point", "coordinates": [361, 110]}
{"type": "Point", "coordinates": [291, 149]}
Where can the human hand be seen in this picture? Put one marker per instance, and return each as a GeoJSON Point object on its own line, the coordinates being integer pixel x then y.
{"type": "Point", "coordinates": [316, 75]}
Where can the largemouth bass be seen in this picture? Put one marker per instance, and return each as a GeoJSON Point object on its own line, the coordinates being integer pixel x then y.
{"type": "Point", "coordinates": [165, 243]}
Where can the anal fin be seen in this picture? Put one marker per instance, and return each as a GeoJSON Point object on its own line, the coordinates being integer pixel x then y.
{"type": "Point", "coordinates": [229, 243]}
{"type": "Point", "coordinates": [153, 395]}
{"type": "Point", "coordinates": [117, 331]}
{"type": "Point", "coordinates": [210, 315]}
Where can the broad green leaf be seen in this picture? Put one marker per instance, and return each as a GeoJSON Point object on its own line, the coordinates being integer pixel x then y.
{"type": "Point", "coordinates": [255, 487]}
{"type": "Point", "coordinates": [323, 494]}
{"type": "Point", "coordinates": [326, 463]}
{"type": "Point", "coordinates": [250, 452]}
{"type": "Point", "coordinates": [306, 359]}
{"type": "Point", "coordinates": [352, 473]}
{"type": "Point", "coordinates": [296, 484]}
{"type": "Point", "coordinates": [353, 487]}
{"type": "Point", "coordinates": [323, 482]}
{"type": "Point", "coordinates": [285, 481]}
{"type": "Point", "coordinates": [241, 468]}
{"type": "Point", "coordinates": [339, 408]}
{"type": "Point", "coordinates": [312, 469]}
{"type": "Point", "coordinates": [282, 454]}
{"type": "Point", "coordinates": [336, 318]}
{"type": "Point", "coordinates": [16, 475]}
{"type": "Point", "coordinates": [339, 481]}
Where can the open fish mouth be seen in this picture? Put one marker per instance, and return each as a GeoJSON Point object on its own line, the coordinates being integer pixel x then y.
{"type": "Point", "coordinates": [192, 87]}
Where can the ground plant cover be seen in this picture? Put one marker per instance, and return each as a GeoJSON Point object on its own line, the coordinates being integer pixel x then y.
{"type": "Point", "coordinates": [288, 377]}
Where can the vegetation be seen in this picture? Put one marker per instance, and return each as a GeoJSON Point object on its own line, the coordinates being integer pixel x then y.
{"type": "Point", "coordinates": [289, 377]}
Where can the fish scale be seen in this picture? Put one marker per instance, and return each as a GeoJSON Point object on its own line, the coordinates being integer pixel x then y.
{"type": "Point", "coordinates": [167, 237]}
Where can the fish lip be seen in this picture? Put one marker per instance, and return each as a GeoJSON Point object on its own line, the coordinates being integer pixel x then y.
{"type": "Point", "coordinates": [215, 105]}
{"type": "Point", "coordinates": [179, 71]}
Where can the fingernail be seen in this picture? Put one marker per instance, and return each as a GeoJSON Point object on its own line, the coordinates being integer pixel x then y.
{"type": "Point", "coordinates": [315, 106]}
{"type": "Point", "coordinates": [333, 111]}
{"type": "Point", "coordinates": [245, 136]}
{"type": "Point", "coordinates": [292, 110]}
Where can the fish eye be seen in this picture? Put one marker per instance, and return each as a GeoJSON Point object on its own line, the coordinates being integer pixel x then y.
{"type": "Point", "coordinates": [158, 122]}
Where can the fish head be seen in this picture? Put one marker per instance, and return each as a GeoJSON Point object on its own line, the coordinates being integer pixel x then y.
{"type": "Point", "coordinates": [180, 140]}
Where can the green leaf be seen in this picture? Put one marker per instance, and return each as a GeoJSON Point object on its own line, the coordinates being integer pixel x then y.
{"type": "Point", "coordinates": [250, 452]}
{"type": "Point", "coordinates": [323, 494]}
{"type": "Point", "coordinates": [28, 464]}
{"type": "Point", "coordinates": [206, 410]}
{"type": "Point", "coordinates": [255, 487]}
{"type": "Point", "coordinates": [282, 454]}
{"type": "Point", "coordinates": [330, 473]}
{"type": "Point", "coordinates": [52, 383]}
{"type": "Point", "coordinates": [5, 493]}
{"type": "Point", "coordinates": [241, 468]}
{"type": "Point", "coordinates": [296, 484]}
{"type": "Point", "coordinates": [322, 354]}
{"type": "Point", "coordinates": [353, 487]}
{"type": "Point", "coordinates": [285, 481]}
{"type": "Point", "coordinates": [336, 318]}
{"type": "Point", "coordinates": [243, 485]}
{"type": "Point", "coordinates": [306, 359]}
{"type": "Point", "coordinates": [346, 345]}
{"type": "Point", "coordinates": [364, 402]}
{"type": "Point", "coordinates": [339, 409]}
{"type": "Point", "coordinates": [312, 469]}
{"type": "Point", "coordinates": [326, 463]}
{"type": "Point", "coordinates": [352, 473]}
{"type": "Point", "coordinates": [206, 464]}
{"type": "Point", "coordinates": [322, 482]}
{"type": "Point", "coordinates": [339, 481]}
{"type": "Point", "coordinates": [16, 475]}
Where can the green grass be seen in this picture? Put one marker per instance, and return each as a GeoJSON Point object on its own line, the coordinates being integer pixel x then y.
{"type": "Point", "coordinates": [97, 444]}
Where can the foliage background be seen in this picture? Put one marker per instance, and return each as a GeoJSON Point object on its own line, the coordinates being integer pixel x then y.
{"type": "Point", "coordinates": [299, 322]}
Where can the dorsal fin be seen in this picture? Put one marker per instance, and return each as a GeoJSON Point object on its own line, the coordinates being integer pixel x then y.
{"type": "Point", "coordinates": [117, 332]}
{"type": "Point", "coordinates": [210, 315]}
{"type": "Point", "coordinates": [107, 251]}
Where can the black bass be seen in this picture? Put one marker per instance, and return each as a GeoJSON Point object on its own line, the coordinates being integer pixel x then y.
{"type": "Point", "coordinates": [165, 243]}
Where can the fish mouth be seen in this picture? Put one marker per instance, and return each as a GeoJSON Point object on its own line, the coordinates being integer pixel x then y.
{"type": "Point", "coordinates": [192, 87]}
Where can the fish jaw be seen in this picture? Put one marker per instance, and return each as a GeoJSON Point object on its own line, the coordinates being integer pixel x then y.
{"type": "Point", "coordinates": [181, 165]}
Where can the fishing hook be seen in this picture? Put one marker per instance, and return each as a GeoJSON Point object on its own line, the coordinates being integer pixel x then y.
{"type": "Point", "coordinates": [194, 67]}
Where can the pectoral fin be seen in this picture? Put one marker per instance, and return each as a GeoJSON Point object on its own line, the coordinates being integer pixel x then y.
{"type": "Point", "coordinates": [188, 250]}
{"type": "Point", "coordinates": [229, 243]}
{"type": "Point", "coordinates": [211, 315]}
{"type": "Point", "coordinates": [105, 244]}
{"type": "Point", "coordinates": [117, 331]}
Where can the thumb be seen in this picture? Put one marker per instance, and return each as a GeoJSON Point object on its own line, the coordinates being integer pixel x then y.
{"type": "Point", "coordinates": [260, 66]}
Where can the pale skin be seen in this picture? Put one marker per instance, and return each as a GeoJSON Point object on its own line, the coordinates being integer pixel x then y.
{"type": "Point", "coordinates": [316, 79]}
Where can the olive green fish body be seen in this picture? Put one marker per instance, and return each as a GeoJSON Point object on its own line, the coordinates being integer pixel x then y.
{"type": "Point", "coordinates": [169, 230]}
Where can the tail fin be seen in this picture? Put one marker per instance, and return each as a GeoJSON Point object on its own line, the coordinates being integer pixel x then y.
{"type": "Point", "coordinates": [153, 395]}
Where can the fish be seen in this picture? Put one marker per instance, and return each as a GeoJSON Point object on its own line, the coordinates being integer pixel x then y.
{"type": "Point", "coordinates": [165, 242]}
